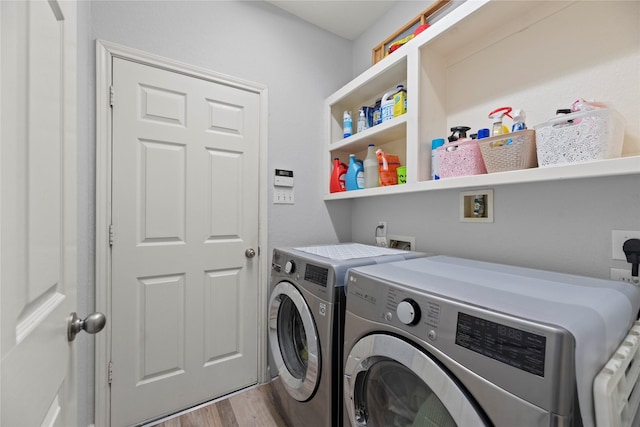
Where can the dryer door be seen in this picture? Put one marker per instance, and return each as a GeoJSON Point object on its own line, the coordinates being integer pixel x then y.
{"type": "Point", "coordinates": [389, 382]}
{"type": "Point", "coordinates": [293, 340]}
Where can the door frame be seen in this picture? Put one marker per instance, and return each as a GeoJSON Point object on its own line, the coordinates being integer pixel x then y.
{"type": "Point", "coordinates": [105, 52]}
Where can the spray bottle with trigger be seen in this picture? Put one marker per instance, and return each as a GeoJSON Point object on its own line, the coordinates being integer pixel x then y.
{"type": "Point", "coordinates": [498, 127]}
{"type": "Point", "coordinates": [497, 115]}
{"type": "Point", "coordinates": [518, 120]}
{"type": "Point", "coordinates": [459, 133]}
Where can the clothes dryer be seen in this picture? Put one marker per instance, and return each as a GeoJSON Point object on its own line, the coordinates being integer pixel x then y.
{"type": "Point", "coordinates": [443, 341]}
{"type": "Point", "coordinates": [306, 323]}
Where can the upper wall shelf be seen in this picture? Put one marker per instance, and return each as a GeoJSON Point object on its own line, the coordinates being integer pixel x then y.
{"type": "Point", "coordinates": [613, 167]}
{"type": "Point", "coordinates": [391, 130]}
{"type": "Point", "coordinates": [484, 54]}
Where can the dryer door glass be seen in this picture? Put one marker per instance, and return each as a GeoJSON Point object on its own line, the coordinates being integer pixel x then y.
{"type": "Point", "coordinates": [390, 382]}
{"type": "Point", "coordinates": [389, 394]}
{"type": "Point", "coordinates": [293, 340]}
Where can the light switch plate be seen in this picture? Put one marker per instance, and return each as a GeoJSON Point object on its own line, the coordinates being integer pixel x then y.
{"type": "Point", "coordinates": [283, 196]}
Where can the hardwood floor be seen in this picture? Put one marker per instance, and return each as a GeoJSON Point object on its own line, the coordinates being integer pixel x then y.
{"type": "Point", "coordinates": [251, 408]}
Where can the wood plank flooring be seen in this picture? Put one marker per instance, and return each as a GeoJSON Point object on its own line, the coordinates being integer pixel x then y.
{"type": "Point", "coordinates": [254, 407]}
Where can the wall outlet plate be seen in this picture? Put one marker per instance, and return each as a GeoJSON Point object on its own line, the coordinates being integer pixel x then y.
{"type": "Point", "coordinates": [382, 230]}
{"type": "Point", "coordinates": [618, 237]}
{"type": "Point", "coordinates": [381, 241]}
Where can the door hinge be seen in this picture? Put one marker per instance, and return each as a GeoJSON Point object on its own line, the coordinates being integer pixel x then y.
{"type": "Point", "coordinates": [110, 234]}
{"type": "Point", "coordinates": [112, 93]}
{"type": "Point", "coordinates": [110, 373]}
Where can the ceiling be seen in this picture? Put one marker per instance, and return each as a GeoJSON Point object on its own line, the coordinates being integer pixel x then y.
{"type": "Point", "coordinates": [346, 18]}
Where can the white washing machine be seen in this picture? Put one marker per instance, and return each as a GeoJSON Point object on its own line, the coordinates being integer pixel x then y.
{"type": "Point", "coordinates": [443, 341]}
{"type": "Point", "coordinates": [306, 321]}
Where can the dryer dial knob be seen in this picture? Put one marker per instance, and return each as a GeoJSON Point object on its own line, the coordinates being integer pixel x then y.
{"type": "Point", "coordinates": [408, 312]}
{"type": "Point", "coordinates": [289, 267]}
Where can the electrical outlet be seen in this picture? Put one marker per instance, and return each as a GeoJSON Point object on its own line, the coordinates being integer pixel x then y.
{"type": "Point", "coordinates": [382, 230]}
{"type": "Point", "coordinates": [623, 275]}
{"type": "Point", "coordinates": [618, 237]}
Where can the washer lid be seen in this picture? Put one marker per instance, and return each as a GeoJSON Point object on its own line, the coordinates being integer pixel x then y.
{"type": "Point", "coordinates": [337, 259]}
{"type": "Point", "coordinates": [348, 251]}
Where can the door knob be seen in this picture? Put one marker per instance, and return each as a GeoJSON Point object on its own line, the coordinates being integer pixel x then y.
{"type": "Point", "coordinates": [92, 324]}
{"type": "Point", "coordinates": [250, 253]}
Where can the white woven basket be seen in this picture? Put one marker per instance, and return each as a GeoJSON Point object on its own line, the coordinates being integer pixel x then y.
{"type": "Point", "coordinates": [580, 137]}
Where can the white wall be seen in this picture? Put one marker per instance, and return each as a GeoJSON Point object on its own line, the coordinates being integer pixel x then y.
{"type": "Point", "coordinates": [562, 226]}
{"type": "Point", "coordinates": [300, 65]}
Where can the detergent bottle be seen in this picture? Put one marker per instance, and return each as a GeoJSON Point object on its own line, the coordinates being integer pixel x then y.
{"type": "Point", "coordinates": [355, 174]}
{"type": "Point", "coordinates": [399, 101]}
{"type": "Point", "coordinates": [377, 117]}
{"type": "Point", "coordinates": [338, 177]}
{"type": "Point", "coordinates": [371, 168]}
{"type": "Point", "coordinates": [386, 106]}
{"type": "Point", "coordinates": [497, 115]}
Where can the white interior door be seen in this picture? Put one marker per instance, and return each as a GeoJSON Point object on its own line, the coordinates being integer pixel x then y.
{"type": "Point", "coordinates": [184, 211]}
{"type": "Point", "coordinates": [38, 213]}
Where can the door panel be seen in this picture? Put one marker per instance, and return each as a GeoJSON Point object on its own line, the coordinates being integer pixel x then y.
{"type": "Point", "coordinates": [162, 327]}
{"type": "Point", "coordinates": [221, 300]}
{"type": "Point", "coordinates": [38, 213]}
{"type": "Point", "coordinates": [162, 177]}
{"type": "Point", "coordinates": [224, 219]}
{"type": "Point", "coordinates": [184, 210]}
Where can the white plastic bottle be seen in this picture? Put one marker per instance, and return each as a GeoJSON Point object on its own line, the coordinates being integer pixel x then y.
{"type": "Point", "coordinates": [371, 169]}
{"type": "Point", "coordinates": [347, 124]}
{"type": "Point", "coordinates": [386, 107]}
{"type": "Point", "coordinates": [362, 122]}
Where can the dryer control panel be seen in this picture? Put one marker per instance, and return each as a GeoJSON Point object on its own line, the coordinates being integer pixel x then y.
{"type": "Point", "coordinates": [515, 347]}
{"type": "Point", "coordinates": [316, 274]}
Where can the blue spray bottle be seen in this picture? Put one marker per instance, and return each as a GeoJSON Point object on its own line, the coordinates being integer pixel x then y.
{"type": "Point", "coordinates": [518, 120]}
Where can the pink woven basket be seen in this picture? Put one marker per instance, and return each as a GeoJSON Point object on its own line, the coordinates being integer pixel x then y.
{"type": "Point", "coordinates": [460, 158]}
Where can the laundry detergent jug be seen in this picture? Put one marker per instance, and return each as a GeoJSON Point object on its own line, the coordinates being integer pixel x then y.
{"type": "Point", "coordinates": [338, 177]}
{"type": "Point", "coordinates": [355, 174]}
{"type": "Point", "coordinates": [386, 106]}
